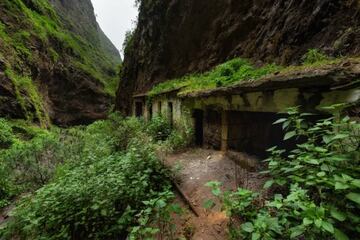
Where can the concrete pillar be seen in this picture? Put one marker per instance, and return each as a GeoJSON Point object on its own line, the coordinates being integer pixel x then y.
{"type": "Point", "coordinates": [224, 131]}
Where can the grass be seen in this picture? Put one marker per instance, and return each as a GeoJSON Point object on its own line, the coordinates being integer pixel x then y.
{"type": "Point", "coordinates": [226, 74]}
{"type": "Point", "coordinates": [238, 70]}
{"type": "Point", "coordinates": [26, 89]}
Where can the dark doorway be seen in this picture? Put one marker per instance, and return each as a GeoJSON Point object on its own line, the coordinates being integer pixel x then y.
{"type": "Point", "coordinates": [138, 109]}
{"type": "Point", "coordinates": [199, 128]}
{"type": "Point", "coordinates": [254, 133]}
{"type": "Point", "coordinates": [150, 112]}
{"type": "Point", "coordinates": [212, 129]}
{"type": "Point", "coordinates": [171, 113]}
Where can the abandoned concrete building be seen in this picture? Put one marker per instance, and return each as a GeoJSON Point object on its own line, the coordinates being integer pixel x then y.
{"type": "Point", "coordinates": [241, 117]}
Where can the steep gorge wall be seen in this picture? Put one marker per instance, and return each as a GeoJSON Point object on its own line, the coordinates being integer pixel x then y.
{"type": "Point", "coordinates": [55, 62]}
{"type": "Point", "coordinates": [177, 37]}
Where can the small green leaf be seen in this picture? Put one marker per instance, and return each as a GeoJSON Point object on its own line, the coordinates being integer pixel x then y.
{"type": "Point", "coordinates": [313, 161]}
{"type": "Point", "coordinates": [289, 135]}
{"type": "Point", "coordinates": [307, 221]}
{"type": "Point", "coordinates": [318, 223]}
{"type": "Point", "coordinates": [355, 197]}
{"type": "Point", "coordinates": [216, 192]}
{"type": "Point", "coordinates": [339, 235]}
{"type": "Point", "coordinates": [296, 231]}
{"type": "Point", "coordinates": [208, 204]}
{"type": "Point", "coordinates": [248, 227]}
{"type": "Point", "coordinates": [268, 184]}
{"type": "Point", "coordinates": [341, 186]}
{"type": "Point", "coordinates": [321, 174]}
{"type": "Point", "coordinates": [337, 214]}
{"type": "Point", "coordinates": [281, 120]}
{"type": "Point", "coordinates": [255, 236]}
{"type": "Point", "coordinates": [327, 226]}
{"type": "Point", "coordinates": [356, 183]}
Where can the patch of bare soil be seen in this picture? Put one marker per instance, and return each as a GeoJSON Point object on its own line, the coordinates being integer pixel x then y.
{"type": "Point", "coordinates": [195, 168]}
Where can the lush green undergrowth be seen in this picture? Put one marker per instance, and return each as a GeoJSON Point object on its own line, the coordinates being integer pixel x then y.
{"type": "Point", "coordinates": [315, 189]}
{"type": "Point", "coordinates": [236, 71]}
{"type": "Point", "coordinates": [102, 181]}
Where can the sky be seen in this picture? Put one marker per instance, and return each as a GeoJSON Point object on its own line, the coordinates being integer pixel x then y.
{"type": "Point", "coordinates": [115, 18]}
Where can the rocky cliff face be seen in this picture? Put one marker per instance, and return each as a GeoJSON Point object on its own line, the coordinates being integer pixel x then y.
{"type": "Point", "coordinates": [176, 37]}
{"type": "Point", "coordinates": [55, 62]}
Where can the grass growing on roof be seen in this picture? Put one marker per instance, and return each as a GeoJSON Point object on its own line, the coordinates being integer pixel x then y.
{"type": "Point", "coordinates": [238, 70]}
{"type": "Point", "coordinates": [226, 74]}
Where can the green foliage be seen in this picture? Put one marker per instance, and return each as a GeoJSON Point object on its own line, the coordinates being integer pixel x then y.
{"type": "Point", "coordinates": [97, 199]}
{"type": "Point", "coordinates": [6, 134]}
{"type": "Point", "coordinates": [316, 185]}
{"type": "Point", "coordinates": [26, 92]}
{"type": "Point", "coordinates": [101, 181]}
{"type": "Point", "coordinates": [314, 56]}
{"type": "Point", "coordinates": [38, 24]}
{"type": "Point", "coordinates": [159, 128]}
{"type": "Point", "coordinates": [27, 158]}
{"type": "Point", "coordinates": [226, 74]}
{"type": "Point", "coordinates": [156, 218]}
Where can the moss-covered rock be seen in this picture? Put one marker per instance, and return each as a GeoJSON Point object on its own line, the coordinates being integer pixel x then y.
{"type": "Point", "coordinates": [50, 69]}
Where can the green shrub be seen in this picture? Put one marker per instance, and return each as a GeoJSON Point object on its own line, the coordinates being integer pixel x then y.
{"type": "Point", "coordinates": [93, 201]}
{"type": "Point", "coordinates": [314, 56]}
{"type": "Point", "coordinates": [180, 137]}
{"type": "Point", "coordinates": [6, 134]}
{"type": "Point", "coordinates": [30, 164]}
{"type": "Point", "coordinates": [317, 193]}
{"type": "Point", "coordinates": [108, 182]}
{"type": "Point", "coordinates": [159, 128]}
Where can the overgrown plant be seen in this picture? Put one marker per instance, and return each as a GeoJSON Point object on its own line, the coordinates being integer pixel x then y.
{"type": "Point", "coordinates": [105, 182]}
{"type": "Point", "coordinates": [316, 185]}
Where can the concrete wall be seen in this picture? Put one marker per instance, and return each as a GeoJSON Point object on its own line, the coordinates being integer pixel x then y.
{"type": "Point", "coordinates": [275, 101]}
{"type": "Point", "coordinates": [243, 122]}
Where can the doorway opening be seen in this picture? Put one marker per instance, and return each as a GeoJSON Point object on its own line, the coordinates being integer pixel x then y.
{"type": "Point", "coordinates": [171, 113]}
{"type": "Point", "coordinates": [199, 127]}
{"type": "Point", "coordinates": [139, 109]}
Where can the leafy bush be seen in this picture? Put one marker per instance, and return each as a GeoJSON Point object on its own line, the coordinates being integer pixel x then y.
{"type": "Point", "coordinates": [28, 162]}
{"type": "Point", "coordinates": [180, 137]}
{"type": "Point", "coordinates": [92, 201]}
{"type": "Point", "coordinates": [159, 128]}
{"type": "Point", "coordinates": [31, 163]}
{"type": "Point", "coordinates": [110, 181]}
{"type": "Point", "coordinates": [317, 193]}
{"type": "Point", "coordinates": [6, 134]}
{"type": "Point", "coordinates": [314, 56]}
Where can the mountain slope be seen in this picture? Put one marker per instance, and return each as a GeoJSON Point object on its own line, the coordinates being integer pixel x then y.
{"type": "Point", "coordinates": [49, 71]}
{"type": "Point", "coordinates": [177, 37]}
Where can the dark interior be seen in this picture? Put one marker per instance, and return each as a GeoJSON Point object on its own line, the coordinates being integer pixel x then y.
{"type": "Point", "coordinates": [212, 129]}
{"type": "Point", "coordinates": [138, 109]}
{"type": "Point", "coordinates": [171, 113]}
{"type": "Point", "coordinates": [198, 116]}
{"type": "Point", "coordinates": [254, 132]}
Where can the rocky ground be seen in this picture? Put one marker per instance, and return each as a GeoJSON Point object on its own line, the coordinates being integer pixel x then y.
{"type": "Point", "coordinates": [194, 168]}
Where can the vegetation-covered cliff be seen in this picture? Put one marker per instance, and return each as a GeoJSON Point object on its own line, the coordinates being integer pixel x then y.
{"type": "Point", "coordinates": [174, 38]}
{"type": "Point", "coordinates": [55, 62]}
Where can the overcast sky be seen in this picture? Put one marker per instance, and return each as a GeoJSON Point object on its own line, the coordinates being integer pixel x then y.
{"type": "Point", "coordinates": [115, 18]}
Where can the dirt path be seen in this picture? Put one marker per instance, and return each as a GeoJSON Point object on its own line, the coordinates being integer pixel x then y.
{"type": "Point", "coordinates": [195, 168]}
